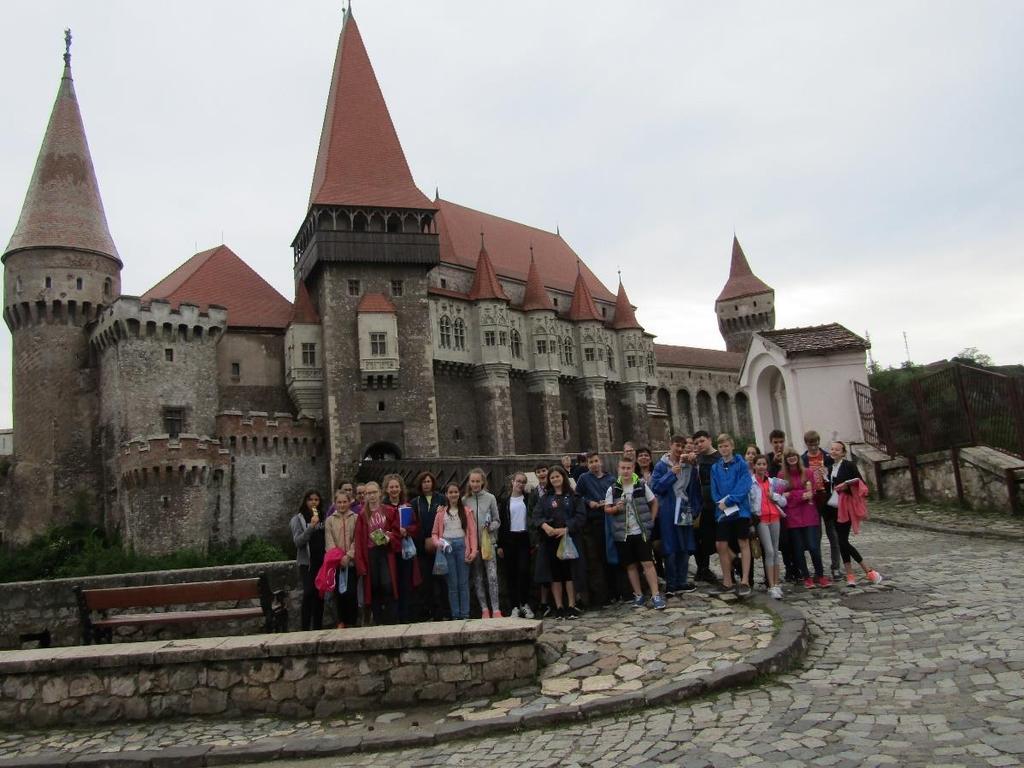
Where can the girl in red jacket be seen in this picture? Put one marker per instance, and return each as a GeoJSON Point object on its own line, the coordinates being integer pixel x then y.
{"type": "Point", "coordinates": [377, 541]}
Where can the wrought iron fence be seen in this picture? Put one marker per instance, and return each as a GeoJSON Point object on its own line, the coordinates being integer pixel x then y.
{"type": "Point", "coordinates": [954, 407]}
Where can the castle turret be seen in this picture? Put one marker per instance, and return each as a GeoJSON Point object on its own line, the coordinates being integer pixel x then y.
{"type": "Point", "coordinates": [60, 269]}
{"type": "Point", "coordinates": [590, 385]}
{"type": "Point", "coordinates": [491, 377]}
{"type": "Point", "coordinates": [745, 305]}
{"type": "Point", "coordinates": [636, 364]}
{"type": "Point", "coordinates": [303, 364]}
{"type": "Point", "coordinates": [369, 231]}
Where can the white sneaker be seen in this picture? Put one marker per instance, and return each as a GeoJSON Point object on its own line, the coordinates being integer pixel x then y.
{"type": "Point", "coordinates": [776, 592]}
{"type": "Point", "coordinates": [514, 613]}
{"type": "Point", "coordinates": [526, 612]}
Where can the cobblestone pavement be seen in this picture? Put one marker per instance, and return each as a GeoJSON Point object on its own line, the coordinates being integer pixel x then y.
{"type": "Point", "coordinates": [925, 673]}
{"type": "Point", "coordinates": [939, 518]}
{"type": "Point", "coordinates": [604, 653]}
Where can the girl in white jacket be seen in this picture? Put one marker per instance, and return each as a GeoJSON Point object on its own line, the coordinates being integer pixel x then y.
{"type": "Point", "coordinates": [484, 506]}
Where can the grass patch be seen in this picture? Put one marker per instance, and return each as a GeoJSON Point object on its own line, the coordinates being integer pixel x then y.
{"type": "Point", "coordinates": [82, 549]}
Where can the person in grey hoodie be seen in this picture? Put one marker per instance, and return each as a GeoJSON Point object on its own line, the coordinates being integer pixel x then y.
{"type": "Point", "coordinates": [484, 506]}
{"type": "Point", "coordinates": [308, 533]}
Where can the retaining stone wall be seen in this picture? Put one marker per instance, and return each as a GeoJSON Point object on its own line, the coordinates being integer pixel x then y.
{"type": "Point", "coordinates": [35, 606]}
{"type": "Point", "coordinates": [307, 674]}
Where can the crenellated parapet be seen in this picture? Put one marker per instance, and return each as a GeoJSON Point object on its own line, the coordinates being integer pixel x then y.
{"type": "Point", "coordinates": [163, 460]}
{"type": "Point", "coordinates": [261, 434]}
{"type": "Point", "coordinates": [129, 317]}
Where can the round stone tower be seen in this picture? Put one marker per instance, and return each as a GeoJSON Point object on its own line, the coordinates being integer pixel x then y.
{"type": "Point", "coordinates": [60, 269]}
{"type": "Point", "coordinates": [745, 305]}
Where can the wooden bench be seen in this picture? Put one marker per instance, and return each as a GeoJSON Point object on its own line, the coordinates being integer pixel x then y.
{"type": "Point", "coordinates": [101, 629]}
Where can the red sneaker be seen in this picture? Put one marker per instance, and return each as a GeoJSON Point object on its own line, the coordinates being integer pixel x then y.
{"type": "Point", "coordinates": [824, 581]}
{"type": "Point", "coordinates": [809, 583]}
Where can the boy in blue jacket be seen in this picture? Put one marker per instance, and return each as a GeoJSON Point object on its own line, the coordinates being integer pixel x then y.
{"type": "Point", "coordinates": [678, 490]}
{"type": "Point", "coordinates": [730, 486]}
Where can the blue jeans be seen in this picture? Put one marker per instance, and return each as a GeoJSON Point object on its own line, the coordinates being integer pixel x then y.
{"type": "Point", "coordinates": [677, 566]}
{"type": "Point", "coordinates": [458, 579]}
{"type": "Point", "coordinates": [807, 539]}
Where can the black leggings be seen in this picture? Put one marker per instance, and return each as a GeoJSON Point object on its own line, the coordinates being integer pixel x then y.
{"type": "Point", "coordinates": [516, 551]}
{"type": "Point", "coordinates": [846, 549]}
{"type": "Point", "coordinates": [312, 603]}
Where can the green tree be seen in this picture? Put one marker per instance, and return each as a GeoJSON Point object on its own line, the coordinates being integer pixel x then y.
{"type": "Point", "coordinates": [972, 355]}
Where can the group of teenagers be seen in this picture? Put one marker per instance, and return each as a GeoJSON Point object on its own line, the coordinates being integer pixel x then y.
{"type": "Point", "coordinates": [382, 552]}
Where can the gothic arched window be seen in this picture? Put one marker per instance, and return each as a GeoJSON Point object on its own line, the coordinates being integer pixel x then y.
{"type": "Point", "coordinates": [611, 358]}
{"type": "Point", "coordinates": [445, 329]}
{"type": "Point", "coordinates": [567, 353]}
{"type": "Point", "coordinates": [516, 344]}
{"type": "Point", "coordinates": [459, 332]}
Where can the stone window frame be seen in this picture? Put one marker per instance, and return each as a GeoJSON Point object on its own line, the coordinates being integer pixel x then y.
{"type": "Point", "coordinates": [459, 333]}
{"type": "Point", "coordinates": [355, 286]}
{"type": "Point", "coordinates": [631, 361]}
{"type": "Point", "coordinates": [79, 283]}
{"type": "Point", "coordinates": [490, 338]}
{"type": "Point", "coordinates": [309, 354]}
{"type": "Point", "coordinates": [236, 371]}
{"type": "Point", "coordinates": [589, 355]}
{"type": "Point", "coordinates": [171, 416]}
{"type": "Point", "coordinates": [515, 343]}
{"type": "Point", "coordinates": [542, 346]}
{"type": "Point", "coordinates": [168, 354]}
{"type": "Point", "coordinates": [611, 357]}
{"type": "Point", "coordinates": [444, 329]}
{"type": "Point", "coordinates": [397, 288]}
{"type": "Point", "coordinates": [568, 351]}
{"type": "Point", "coordinates": [378, 344]}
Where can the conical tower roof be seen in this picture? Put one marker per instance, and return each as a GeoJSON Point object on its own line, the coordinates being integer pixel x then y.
{"type": "Point", "coordinates": [742, 280]}
{"type": "Point", "coordinates": [625, 317]}
{"type": "Point", "coordinates": [62, 207]}
{"type": "Point", "coordinates": [583, 306]}
{"type": "Point", "coordinates": [485, 280]}
{"type": "Point", "coordinates": [535, 297]}
{"type": "Point", "coordinates": [360, 160]}
{"type": "Point", "coordinates": [303, 310]}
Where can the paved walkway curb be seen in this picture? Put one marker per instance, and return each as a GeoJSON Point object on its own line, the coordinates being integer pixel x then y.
{"type": "Point", "coordinates": [969, 533]}
{"type": "Point", "coordinates": [786, 649]}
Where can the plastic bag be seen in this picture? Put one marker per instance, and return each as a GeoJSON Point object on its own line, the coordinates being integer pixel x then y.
{"type": "Point", "coordinates": [342, 581]}
{"type": "Point", "coordinates": [486, 546]}
{"type": "Point", "coordinates": [379, 537]}
{"type": "Point", "coordinates": [567, 549]}
{"type": "Point", "coordinates": [440, 563]}
{"type": "Point", "coordinates": [408, 548]}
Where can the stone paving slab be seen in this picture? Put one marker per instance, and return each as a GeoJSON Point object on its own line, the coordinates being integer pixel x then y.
{"type": "Point", "coordinates": [607, 661]}
{"type": "Point", "coordinates": [948, 519]}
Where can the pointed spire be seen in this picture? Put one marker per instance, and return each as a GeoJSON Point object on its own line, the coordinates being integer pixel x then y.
{"type": "Point", "coordinates": [360, 160]}
{"type": "Point", "coordinates": [485, 281]}
{"type": "Point", "coordinates": [742, 280]}
{"type": "Point", "coordinates": [583, 306]}
{"type": "Point", "coordinates": [303, 310]}
{"type": "Point", "coordinates": [625, 317]}
{"type": "Point", "coordinates": [535, 298]}
{"type": "Point", "coordinates": [62, 207]}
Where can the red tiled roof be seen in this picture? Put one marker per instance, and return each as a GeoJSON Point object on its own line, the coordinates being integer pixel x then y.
{"type": "Point", "coordinates": [815, 339]}
{"type": "Point", "coordinates": [62, 206]}
{"type": "Point", "coordinates": [218, 276]}
{"type": "Point", "coordinates": [447, 292]}
{"type": "Point", "coordinates": [583, 306]}
{"type": "Point", "coordinates": [508, 245]}
{"type": "Point", "coordinates": [303, 311]}
{"type": "Point", "coordinates": [625, 317]}
{"type": "Point", "coordinates": [534, 296]}
{"type": "Point", "coordinates": [695, 357]}
{"type": "Point", "coordinates": [360, 160]}
{"type": "Point", "coordinates": [376, 302]}
{"type": "Point", "coordinates": [485, 282]}
{"type": "Point", "coordinates": [742, 281]}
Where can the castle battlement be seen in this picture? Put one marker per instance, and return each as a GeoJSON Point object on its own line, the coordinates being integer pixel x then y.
{"type": "Point", "coordinates": [56, 312]}
{"type": "Point", "coordinates": [260, 433]}
{"type": "Point", "coordinates": [182, 460]}
{"type": "Point", "coordinates": [130, 317]}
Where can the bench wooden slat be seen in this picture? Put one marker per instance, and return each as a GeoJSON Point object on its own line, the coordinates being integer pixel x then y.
{"type": "Point", "coordinates": [171, 594]}
{"type": "Point", "coordinates": [178, 617]}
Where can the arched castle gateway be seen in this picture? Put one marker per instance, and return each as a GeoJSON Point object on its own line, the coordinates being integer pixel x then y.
{"type": "Point", "coordinates": [419, 327]}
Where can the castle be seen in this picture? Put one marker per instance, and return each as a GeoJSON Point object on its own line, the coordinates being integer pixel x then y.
{"type": "Point", "coordinates": [202, 409]}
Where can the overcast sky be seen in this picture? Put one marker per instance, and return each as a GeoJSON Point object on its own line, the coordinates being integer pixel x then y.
{"type": "Point", "coordinates": [868, 155]}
